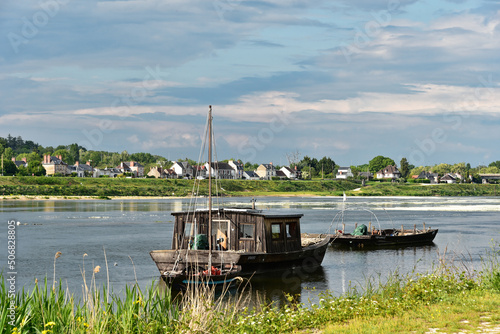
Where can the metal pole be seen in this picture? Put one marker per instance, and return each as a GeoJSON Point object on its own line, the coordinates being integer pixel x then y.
{"type": "Point", "coordinates": [210, 190]}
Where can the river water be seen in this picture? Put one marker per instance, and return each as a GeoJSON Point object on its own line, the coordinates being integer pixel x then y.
{"type": "Point", "coordinates": [117, 235]}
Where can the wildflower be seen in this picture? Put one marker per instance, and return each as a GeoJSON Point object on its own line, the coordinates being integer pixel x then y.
{"type": "Point", "coordinates": [86, 325]}
{"type": "Point", "coordinates": [50, 323]}
{"type": "Point", "coordinates": [96, 269]}
{"type": "Point", "coordinates": [58, 254]}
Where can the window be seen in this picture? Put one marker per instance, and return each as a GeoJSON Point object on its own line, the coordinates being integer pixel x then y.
{"type": "Point", "coordinates": [189, 230]}
{"type": "Point", "coordinates": [247, 231]}
{"type": "Point", "coordinates": [276, 230]}
{"type": "Point", "coordinates": [291, 230]}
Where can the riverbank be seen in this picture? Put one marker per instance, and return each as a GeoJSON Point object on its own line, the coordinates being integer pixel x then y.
{"type": "Point", "coordinates": [40, 188]}
{"type": "Point", "coordinates": [451, 298]}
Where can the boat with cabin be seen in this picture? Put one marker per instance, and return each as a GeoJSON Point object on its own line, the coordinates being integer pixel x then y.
{"type": "Point", "coordinates": [219, 245]}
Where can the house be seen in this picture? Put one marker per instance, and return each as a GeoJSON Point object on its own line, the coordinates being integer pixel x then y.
{"type": "Point", "coordinates": [281, 175]}
{"type": "Point", "coordinates": [183, 169]}
{"type": "Point", "coordinates": [157, 172]}
{"type": "Point", "coordinates": [266, 171]}
{"type": "Point", "coordinates": [81, 170]}
{"type": "Point", "coordinates": [136, 168]}
{"type": "Point", "coordinates": [110, 172]}
{"type": "Point", "coordinates": [220, 170]}
{"type": "Point", "coordinates": [250, 175]}
{"type": "Point", "coordinates": [451, 178]}
{"type": "Point", "coordinates": [21, 162]}
{"type": "Point", "coordinates": [54, 165]}
{"type": "Point", "coordinates": [199, 172]}
{"type": "Point", "coordinates": [290, 173]}
{"type": "Point", "coordinates": [238, 168]}
{"type": "Point", "coordinates": [366, 175]}
{"type": "Point", "coordinates": [389, 172]}
{"type": "Point", "coordinates": [344, 173]}
{"type": "Point", "coordinates": [433, 177]}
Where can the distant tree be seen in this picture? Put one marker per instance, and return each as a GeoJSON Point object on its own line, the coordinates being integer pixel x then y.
{"type": "Point", "coordinates": [495, 164]}
{"type": "Point", "coordinates": [441, 169]}
{"type": "Point", "coordinates": [293, 157]}
{"type": "Point", "coordinates": [9, 168]}
{"type": "Point", "coordinates": [8, 153]}
{"type": "Point", "coordinates": [326, 166]}
{"type": "Point", "coordinates": [74, 153]}
{"type": "Point", "coordinates": [33, 156]}
{"type": "Point", "coordinates": [489, 170]}
{"type": "Point", "coordinates": [404, 168]}
{"type": "Point", "coordinates": [22, 171]}
{"type": "Point", "coordinates": [355, 171]}
{"type": "Point", "coordinates": [36, 168]}
{"type": "Point", "coordinates": [379, 162]}
{"type": "Point", "coordinates": [124, 156]}
{"type": "Point", "coordinates": [63, 153]}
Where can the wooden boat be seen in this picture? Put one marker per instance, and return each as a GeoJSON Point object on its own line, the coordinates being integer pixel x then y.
{"type": "Point", "coordinates": [374, 237]}
{"type": "Point", "coordinates": [386, 237]}
{"type": "Point", "coordinates": [219, 245]}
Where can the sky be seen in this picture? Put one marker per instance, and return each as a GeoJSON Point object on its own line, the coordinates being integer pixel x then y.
{"type": "Point", "coordinates": [349, 80]}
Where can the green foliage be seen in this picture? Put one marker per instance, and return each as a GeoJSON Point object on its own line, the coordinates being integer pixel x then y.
{"type": "Point", "coordinates": [9, 168]}
{"type": "Point", "coordinates": [404, 168]}
{"type": "Point", "coordinates": [379, 162]}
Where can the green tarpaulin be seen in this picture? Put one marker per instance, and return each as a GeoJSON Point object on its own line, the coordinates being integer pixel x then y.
{"type": "Point", "coordinates": [360, 230]}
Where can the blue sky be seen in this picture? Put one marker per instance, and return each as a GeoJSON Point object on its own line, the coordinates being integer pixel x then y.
{"type": "Point", "coordinates": [345, 79]}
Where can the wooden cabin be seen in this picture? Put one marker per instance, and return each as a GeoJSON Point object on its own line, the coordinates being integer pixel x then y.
{"type": "Point", "coordinates": [240, 230]}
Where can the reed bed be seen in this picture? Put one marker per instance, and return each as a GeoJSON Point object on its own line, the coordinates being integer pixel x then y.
{"type": "Point", "coordinates": [49, 308]}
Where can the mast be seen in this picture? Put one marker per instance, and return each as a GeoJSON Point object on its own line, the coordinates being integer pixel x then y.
{"type": "Point", "coordinates": [210, 189]}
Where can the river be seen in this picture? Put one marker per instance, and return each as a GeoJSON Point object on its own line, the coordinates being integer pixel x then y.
{"type": "Point", "coordinates": [124, 231]}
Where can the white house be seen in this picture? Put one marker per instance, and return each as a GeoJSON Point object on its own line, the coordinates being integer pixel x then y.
{"type": "Point", "coordinates": [344, 173]}
{"type": "Point", "coordinates": [220, 170]}
{"type": "Point", "coordinates": [290, 173]}
{"type": "Point", "coordinates": [389, 172]}
{"type": "Point", "coordinates": [237, 166]}
{"type": "Point", "coordinates": [183, 169]}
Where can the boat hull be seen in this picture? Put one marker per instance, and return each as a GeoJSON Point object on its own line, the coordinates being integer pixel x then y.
{"type": "Point", "coordinates": [361, 241]}
{"type": "Point", "coordinates": [184, 267]}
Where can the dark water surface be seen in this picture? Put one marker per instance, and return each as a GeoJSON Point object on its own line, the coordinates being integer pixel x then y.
{"type": "Point", "coordinates": [126, 230]}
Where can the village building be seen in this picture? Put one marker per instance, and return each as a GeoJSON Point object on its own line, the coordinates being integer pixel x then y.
{"type": "Point", "coordinates": [250, 175]}
{"type": "Point", "coordinates": [220, 170]}
{"type": "Point", "coordinates": [432, 177]}
{"type": "Point", "coordinates": [290, 173]}
{"type": "Point", "coordinates": [183, 169]}
{"type": "Point", "coordinates": [389, 172]}
{"type": "Point", "coordinates": [266, 171]}
{"type": "Point", "coordinates": [81, 170]}
{"type": "Point", "coordinates": [237, 166]}
{"type": "Point", "coordinates": [344, 173]}
{"type": "Point", "coordinates": [19, 163]}
{"type": "Point", "coordinates": [54, 165]}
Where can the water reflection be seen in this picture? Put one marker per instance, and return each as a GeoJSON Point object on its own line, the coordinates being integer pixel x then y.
{"type": "Point", "coordinates": [129, 229]}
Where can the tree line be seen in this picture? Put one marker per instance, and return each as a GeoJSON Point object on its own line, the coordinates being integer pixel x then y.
{"type": "Point", "coordinates": [324, 167]}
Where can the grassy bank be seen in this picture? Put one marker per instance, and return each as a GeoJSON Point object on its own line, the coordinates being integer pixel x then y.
{"type": "Point", "coordinates": [41, 187]}
{"type": "Point", "coordinates": [451, 298]}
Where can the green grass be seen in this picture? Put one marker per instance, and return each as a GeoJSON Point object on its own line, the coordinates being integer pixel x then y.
{"type": "Point", "coordinates": [450, 297]}
{"type": "Point", "coordinates": [107, 187]}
